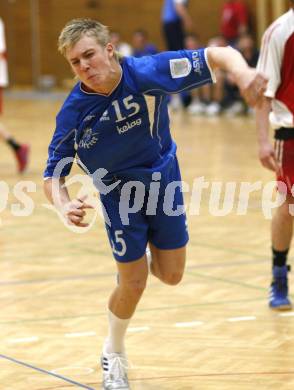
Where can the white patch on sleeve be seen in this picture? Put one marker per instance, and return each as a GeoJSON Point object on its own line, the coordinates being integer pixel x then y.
{"type": "Point", "coordinates": [180, 67]}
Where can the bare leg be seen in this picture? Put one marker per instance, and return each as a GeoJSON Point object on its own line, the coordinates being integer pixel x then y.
{"type": "Point", "coordinates": [132, 282]}
{"type": "Point", "coordinates": [282, 229]}
{"type": "Point", "coordinates": [282, 226]}
{"type": "Point", "coordinates": [206, 93]}
{"type": "Point", "coordinates": [4, 134]}
{"type": "Point", "coordinates": [21, 151]}
{"type": "Point", "coordinates": [168, 265]}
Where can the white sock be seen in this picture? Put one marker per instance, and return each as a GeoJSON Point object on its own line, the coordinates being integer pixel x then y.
{"type": "Point", "coordinates": [116, 334]}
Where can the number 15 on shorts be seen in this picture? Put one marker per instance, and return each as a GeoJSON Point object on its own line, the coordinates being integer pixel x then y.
{"type": "Point", "coordinates": [119, 248]}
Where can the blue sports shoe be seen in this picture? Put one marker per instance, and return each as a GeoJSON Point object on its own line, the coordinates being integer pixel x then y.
{"type": "Point", "coordinates": [278, 296]}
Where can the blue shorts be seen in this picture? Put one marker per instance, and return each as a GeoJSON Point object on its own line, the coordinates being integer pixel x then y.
{"type": "Point", "coordinates": [138, 213]}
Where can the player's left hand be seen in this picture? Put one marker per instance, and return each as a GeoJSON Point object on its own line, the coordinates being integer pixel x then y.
{"type": "Point", "coordinates": [252, 85]}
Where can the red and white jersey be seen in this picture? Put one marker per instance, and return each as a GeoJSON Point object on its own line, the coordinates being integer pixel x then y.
{"type": "Point", "coordinates": [276, 60]}
{"type": "Point", "coordinates": [3, 61]}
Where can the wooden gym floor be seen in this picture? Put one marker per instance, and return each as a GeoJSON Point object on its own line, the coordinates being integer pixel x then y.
{"type": "Point", "coordinates": [214, 331]}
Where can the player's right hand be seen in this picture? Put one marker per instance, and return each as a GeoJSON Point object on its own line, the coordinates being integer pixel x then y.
{"type": "Point", "coordinates": [252, 85]}
{"type": "Point", "coordinates": [267, 157]}
{"type": "Point", "coordinates": [74, 211]}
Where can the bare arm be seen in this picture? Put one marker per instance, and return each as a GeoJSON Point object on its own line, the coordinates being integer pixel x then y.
{"type": "Point", "coordinates": [72, 210]}
{"type": "Point", "coordinates": [251, 83]}
{"type": "Point", "coordinates": [185, 16]}
{"type": "Point", "coordinates": [56, 186]}
{"type": "Point", "coordinates": [265, 148]}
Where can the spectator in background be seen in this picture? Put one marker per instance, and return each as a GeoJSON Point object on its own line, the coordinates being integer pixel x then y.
{"type": "Point", "coordinates": [192, 41]}
{"type": "Point", "coordinates": [233, 103]}
{"type": "Point", "coordinates": [246, 45]}
{"type": "Point", "coordinates": [141, 46]}
{"type": "Point", "coordinates": [21, 151]}
{"type": "Point", "coordinates": [211, 95]}
{"type": "Point", "coordinates": [194, 99]}
{"type": "Point", "coordinates": [234, 20]}
{"type": "Point", "coordinates": [122, 48]}
{"type": "Point", "coordinates": [176, 21]}
{"type": "Point", "coordinates": [213, 99]}
{"type": "Point", "coordinates": [214, 93]}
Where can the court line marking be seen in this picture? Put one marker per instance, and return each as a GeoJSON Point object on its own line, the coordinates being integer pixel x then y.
{"type": "Point", "coordinates": [80, 334]}
{"type": "Point", "coordinates": [226, 249]}
{"type": "Point", "coordinates": [291, 314]}
{"type": "Point", "coordinates": [190, 324]}
{"type": "Point", "coordinates": [224, 280]}
{"type": "Point", "coordinates": [226, 264]}
{"type": "Point", "coordinates": [87, 370]}
{"type": "Point", "coordinates": [245, 318]}
{"type": "Point", "coordinates": [43, 371]}
{"type": "Point", "coordinates": [214, 374]}
{"type": "Point", "coordinates": [31, 339]}
{"type": "Point", "coordinates": [110, 274]}
{"type": "Point", "coordinates": [50, 280]}
{"type": "Point", "coordinates": [138, 329]}
{"type": "Point", "coordinates": [91, 315]}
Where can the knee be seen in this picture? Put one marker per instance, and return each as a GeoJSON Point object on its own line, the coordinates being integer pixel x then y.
{"type": "Point", "coordinates": [134, 287]}
{"type": "Point", "coordinates": [283, 212]}
{"type": "Point", "coordinates": [172, 278]}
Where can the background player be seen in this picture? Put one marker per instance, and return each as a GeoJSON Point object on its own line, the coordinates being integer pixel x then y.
{"type": "Point", "coordinates": [21, 151]}
{"type": "Point", "coordinates": [277, 61]}
{"type": "Point", "coordinates": [176, 22]}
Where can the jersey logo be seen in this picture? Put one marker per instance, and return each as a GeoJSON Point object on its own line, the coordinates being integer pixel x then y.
{"type": "Point", "coordinates": [197, 64]}
{"type": "Point", "coordinates": [128, 126]}
{"type": "Point", "coordinates": [89, 139]}
{"type": "Point", "coordinates": [180, 67]}
{"type": "Point", "coordinates": [88, 118]}
{"type": "Point", "coordinates": [105, 116]}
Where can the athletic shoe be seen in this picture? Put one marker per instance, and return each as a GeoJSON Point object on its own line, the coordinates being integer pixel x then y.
{"type": "Point", "coordinates": [213, 109]}
{"type": "Point", "coordinates": [22, 157]}
{"type": "Point", "coordinates": [278, 297]}
{"type": "Point", "coordinates": [237, 108]}
{"type": "Point", "coordinates": [114, 366]}
{"type": "Point", "coordinates": [175, 103]}
{"type": "Point", "coordinates": [196, 108]}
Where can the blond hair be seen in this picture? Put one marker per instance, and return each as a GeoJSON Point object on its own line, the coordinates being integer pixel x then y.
{"type": "Point", "coordinates": [74, 30]}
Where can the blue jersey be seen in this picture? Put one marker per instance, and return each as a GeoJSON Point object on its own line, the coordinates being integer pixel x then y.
{"type": "Point", "coordinates": [169, 13]}
{"type": "Point", "coordinates": [127, 133]}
